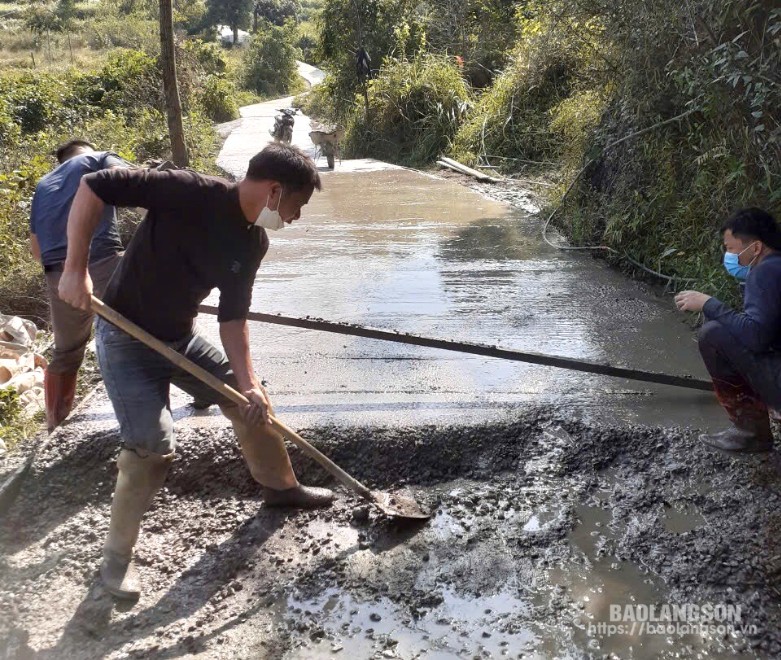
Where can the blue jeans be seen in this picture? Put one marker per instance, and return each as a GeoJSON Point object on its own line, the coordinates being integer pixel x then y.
{"type": "Point", "coordinates": [138, 382]}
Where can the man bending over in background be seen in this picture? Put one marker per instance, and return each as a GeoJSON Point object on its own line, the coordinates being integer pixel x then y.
{"type": "Point", "coordinates": [48, 244]}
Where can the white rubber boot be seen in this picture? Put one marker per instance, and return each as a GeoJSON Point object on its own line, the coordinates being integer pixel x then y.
{"type": "Point", "coordinates": [139, 479]}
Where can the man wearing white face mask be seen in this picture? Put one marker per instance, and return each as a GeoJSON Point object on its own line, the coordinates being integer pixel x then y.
{"type": "Point", "coordinates": [742, 350]}
{"type": "Point", "coordinates": [200, 233]}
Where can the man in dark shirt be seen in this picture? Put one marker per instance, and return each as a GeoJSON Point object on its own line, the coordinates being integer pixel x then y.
{"type": "Point", "coordinates": [200, 233]}
{"type": "Point", "coordinates": [742, 350]}
{"type": "Point", "coordinates": [48, 244]}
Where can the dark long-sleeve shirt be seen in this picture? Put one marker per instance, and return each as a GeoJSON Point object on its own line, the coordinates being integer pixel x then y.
{"type": "Point", "coordinates": [758, 327]}
{"type": "Point", "coordinates": [194, 238]}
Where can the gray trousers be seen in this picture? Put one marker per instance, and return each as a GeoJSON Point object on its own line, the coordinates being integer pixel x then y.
{"type": "Point", "coordinates": [71, 326]}
{"type": "Point", "coordinates": [746, 383]}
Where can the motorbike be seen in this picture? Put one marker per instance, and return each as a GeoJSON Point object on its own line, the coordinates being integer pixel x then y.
{"type": "Point", "coordinates": [283, 125]}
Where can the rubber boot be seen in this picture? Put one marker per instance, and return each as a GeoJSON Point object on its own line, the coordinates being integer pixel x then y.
{"type": "Point", "coordinates": [139, 478]}
{"type": "Point", "coordinates": [300, 497]}
{"type": "Point", "coordinates": [750, 430]}
{"type": "Point", "coordinates": [59, 392]}
{"type": "Point", "coordinates": [264, 451]}
{"type": "Point", "coordinates": [748, 438]}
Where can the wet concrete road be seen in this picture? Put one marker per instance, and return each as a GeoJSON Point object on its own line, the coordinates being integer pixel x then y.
{"type": "Point", "coordinates": [398, 249]}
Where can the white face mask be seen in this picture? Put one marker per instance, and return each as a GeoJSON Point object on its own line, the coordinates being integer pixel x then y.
{"type": "Point", "coordinates": [270, 218]}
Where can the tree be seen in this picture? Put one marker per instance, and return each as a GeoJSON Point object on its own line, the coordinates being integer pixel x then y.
{"type": "Point", "coordinates": [269, 64]}
{"type": "Point", "coordinates": [41, 17]}
{"type": "Point", "coordinates": [479, 31]}
{"type": "Point", "coordinates": [233, 13]}
{"type": "Point", "coordinates": [173, 104]}
{"type": "Point", "coordinates": [274, 11]}
{"type": "Point", "coordinates": [380, 27]}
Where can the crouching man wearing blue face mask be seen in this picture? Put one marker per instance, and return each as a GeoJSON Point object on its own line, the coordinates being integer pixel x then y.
{"type": "Point", "coordinates": [742, 351]}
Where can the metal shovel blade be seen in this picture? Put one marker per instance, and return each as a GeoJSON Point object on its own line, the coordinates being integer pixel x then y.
{"type": "Point", "coordinates": [399, 506]}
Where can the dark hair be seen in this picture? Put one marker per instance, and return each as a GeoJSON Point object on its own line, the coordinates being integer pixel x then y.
{"type": "Point", "coordinates": [756, 224]}
{"type": "Point", "coordinates": [286, 164]}
{"type": "Point", "coordinates": [65, 151]}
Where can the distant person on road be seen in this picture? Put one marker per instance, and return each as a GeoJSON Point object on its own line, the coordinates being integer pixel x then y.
{"type": "Point", "coordinates": [200, 232]}
{"type": "Point", "coordinates": [48, 244]}
{"type": "Point", "coordinates": [742, 350]}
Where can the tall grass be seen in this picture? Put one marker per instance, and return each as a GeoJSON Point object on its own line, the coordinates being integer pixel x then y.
{"type": "Point", "coordinates": [415, 108]}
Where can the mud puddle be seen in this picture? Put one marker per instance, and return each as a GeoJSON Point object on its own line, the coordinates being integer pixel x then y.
{"type": "Point", "coordinates": [459, 625]}
{"type": "Point", "coordinates": [545, 600]}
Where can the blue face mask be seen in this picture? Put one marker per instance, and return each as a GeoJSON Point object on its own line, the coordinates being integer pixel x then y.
{"type": "Point", "coordinates": [732, 264]}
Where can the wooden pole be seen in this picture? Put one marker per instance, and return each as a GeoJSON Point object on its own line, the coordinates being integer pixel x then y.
{"type": "Point", "coordinates": [173, 104]}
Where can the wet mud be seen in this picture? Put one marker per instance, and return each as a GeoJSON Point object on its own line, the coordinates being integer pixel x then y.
{"type": "Point", "coordinates": [539, 525]}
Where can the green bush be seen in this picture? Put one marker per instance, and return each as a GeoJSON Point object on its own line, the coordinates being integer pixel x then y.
{"type": "Point", "coordinates": [386, 28]}
{"type": "Point", "coordinates": [482, 32]}
{"type": "Point", "coordinates": [217, 97]}
{"type": "Point", "coordinates": [117, 107]}
{"type": "Point", "coordinates": [10, 130]}
{"type": "Point", "coordinates": [661, 196]}
{"type": "Point", "coordinates": [307, 43]}
{"type": "Point", "coordinates": [10, 408]}
{"type": "Point", "coordinates": [35, 102]}
{"type": "Point", "coordinates": [208, 57]}
{"type": "Point", "coordinates": [21, 284]}
{"type": "Point", "coordinates": [46, 17]}
{"type": "Point", "coordinates": [111, 28]}
{"type": "Point", "coordinates": [129, 79]}
{"type": "Point", "coordinates": [573, 122]}
{"type": "Point", "coordinates": [16, 188]}
{"type": "Point", "coordinates": [269, 63]}
{"type": "Point", "coordinates": [324, 103]}
{"type": "Point", "coordinates": [512, 119]}
{"type": "Point", "coordinates": [415, 109]}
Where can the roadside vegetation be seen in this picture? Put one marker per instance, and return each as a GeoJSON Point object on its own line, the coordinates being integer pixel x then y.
{"type": "Point", "coordinates": [552, 87]}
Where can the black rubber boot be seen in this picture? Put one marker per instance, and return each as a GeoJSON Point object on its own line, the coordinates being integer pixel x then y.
{"type": "Point", "coordinates": [119, 576]}
{"type": "Point", "coordinates": [300, 497]}
{"type": "Point", "coordinates": [739, 440]}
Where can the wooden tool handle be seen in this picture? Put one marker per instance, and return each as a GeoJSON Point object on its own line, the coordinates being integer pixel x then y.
{"type": "Point", "coordinates": [114, 317]}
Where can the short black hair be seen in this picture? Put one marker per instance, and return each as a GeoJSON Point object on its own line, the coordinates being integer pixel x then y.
{"type": "Point", "coordinates": [286, 164]}
{"type": "Point", "coordinates": [755, 224]}
{"type": "Point", "coordinates": [65, 151]}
